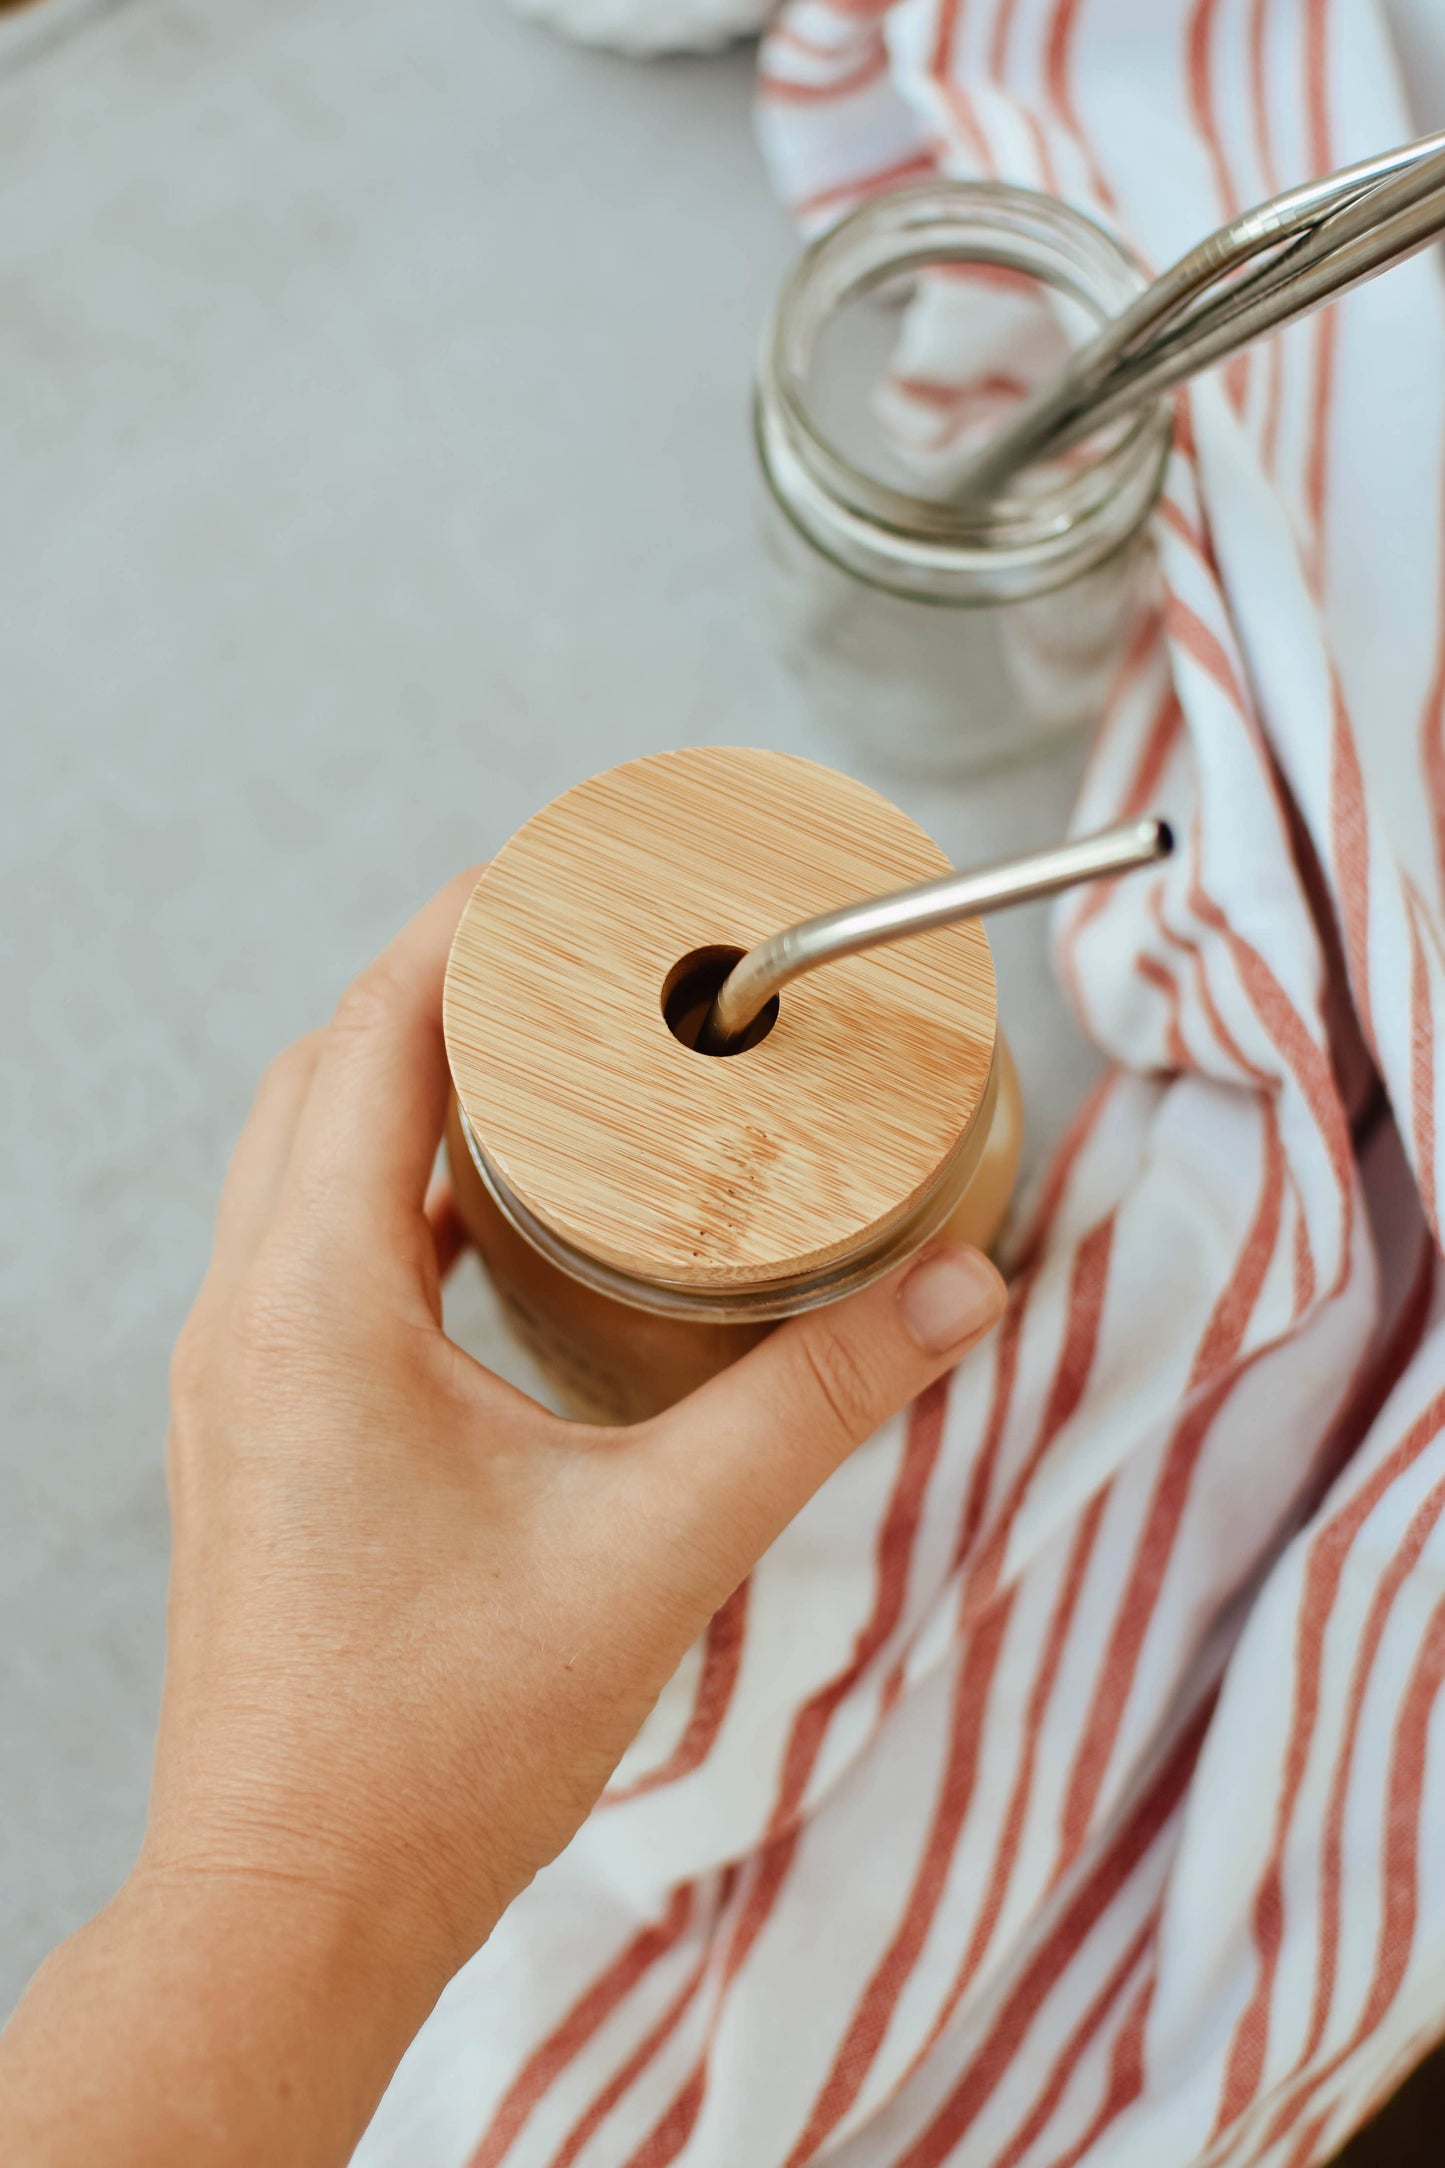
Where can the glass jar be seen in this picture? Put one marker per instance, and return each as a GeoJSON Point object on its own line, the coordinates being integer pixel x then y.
{"type": "Point", "coordinates": [616, 1351]}
{"type": "Point", "coordinates": [937, 637]}
{"type": "Point", "coordinates": [644, 1209]}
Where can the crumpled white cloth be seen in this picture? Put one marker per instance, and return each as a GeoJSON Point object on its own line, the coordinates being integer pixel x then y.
{"type": "Point", "coordinates": [649, 26]}
{"type": "Point", "coordinates": [1068, 1784]}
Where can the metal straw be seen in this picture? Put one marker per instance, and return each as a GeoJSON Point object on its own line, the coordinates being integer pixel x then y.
{"type": "Point", "coordinates": [1305, 247]}
{"type": "Point", "coordinates": [776, 962]}
{"type": "Point", "coordinates": [1352, 213]}
{"type": "Point", "coordinates": [1346, 250]}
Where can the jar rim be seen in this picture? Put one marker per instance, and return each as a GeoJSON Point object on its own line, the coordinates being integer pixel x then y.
{"type": "Point", "coordinates": [922, 545]}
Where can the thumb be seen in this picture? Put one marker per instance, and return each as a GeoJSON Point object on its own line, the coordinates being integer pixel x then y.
{"type": "Point", "coordinates": [750, 1447]}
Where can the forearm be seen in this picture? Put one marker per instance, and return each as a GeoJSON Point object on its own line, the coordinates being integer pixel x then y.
{"type": "Point", "coordinates": [211, 2023]}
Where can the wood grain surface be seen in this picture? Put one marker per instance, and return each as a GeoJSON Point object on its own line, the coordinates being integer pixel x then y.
{"type": "Point", "coordinates": [704, 1171]}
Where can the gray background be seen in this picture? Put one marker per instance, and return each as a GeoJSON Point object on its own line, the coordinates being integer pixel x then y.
{"type": "Point", "coordinates": [373, 463]}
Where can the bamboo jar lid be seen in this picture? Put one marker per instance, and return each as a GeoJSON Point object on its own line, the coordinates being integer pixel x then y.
{"type": "Point", "coordinates": [622, 1145]}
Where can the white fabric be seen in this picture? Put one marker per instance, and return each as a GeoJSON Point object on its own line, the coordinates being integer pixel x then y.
{"type": "Point", "coordinates": [1069, 1784]}
{"type": "Point", "coordinates": [649, 26]}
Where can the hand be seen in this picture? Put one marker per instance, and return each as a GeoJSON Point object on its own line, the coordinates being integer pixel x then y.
{"type": "Point", "coordinates": [414, 1618]}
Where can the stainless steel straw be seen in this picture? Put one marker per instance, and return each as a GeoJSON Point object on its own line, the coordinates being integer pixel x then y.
{"type": "Point", "coordinates": [1265, 268]}
{"type": "Point", "coordinates": [785, 956]}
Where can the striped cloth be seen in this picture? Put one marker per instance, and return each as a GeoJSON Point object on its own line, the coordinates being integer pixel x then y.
{"type": "Point", "coordinates": [1068, 1785]}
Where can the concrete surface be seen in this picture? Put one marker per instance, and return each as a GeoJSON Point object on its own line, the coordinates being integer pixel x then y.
{"type": "Point", "coordinates": [373, 462]}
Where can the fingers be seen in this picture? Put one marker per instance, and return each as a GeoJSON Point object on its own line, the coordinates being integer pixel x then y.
{"type": "Point", "coordinates": [742, 1455]}
{"type": "Point", "coordinates": [368, 1134]}
{"type": "Point", "coordinates": [263, 1151]}
{"type": "Point", "coordinates": [448, 1229]}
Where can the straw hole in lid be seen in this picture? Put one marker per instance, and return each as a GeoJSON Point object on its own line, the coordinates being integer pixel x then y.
{"type": "Point", "coordinates": [689, 990]}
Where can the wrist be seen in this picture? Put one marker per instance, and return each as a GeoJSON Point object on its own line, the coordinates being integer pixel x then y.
{"type": "Point", "coordinates": [209, 2013]}
{"type": "Point", "coordinates": [305, 1923]}
{"type": "Point", "coordinates": [324, 1863]}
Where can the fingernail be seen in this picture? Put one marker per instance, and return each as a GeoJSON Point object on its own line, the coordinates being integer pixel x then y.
{"type": "Point", "coordinates": [948, 1296]}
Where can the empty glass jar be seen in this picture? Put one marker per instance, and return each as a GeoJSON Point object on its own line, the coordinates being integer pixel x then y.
{"type": "Point", "coordinates": [933, 636]}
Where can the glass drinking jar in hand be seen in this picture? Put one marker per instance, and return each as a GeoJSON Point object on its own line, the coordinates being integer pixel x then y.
{"type": "Point", "coordinates": [935, 636]}
{"type": "Point", "coordinates": [647, 1208]}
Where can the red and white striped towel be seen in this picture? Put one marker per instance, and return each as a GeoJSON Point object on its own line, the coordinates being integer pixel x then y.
{"type": "Point", "coordinates": [1069, 1783]}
